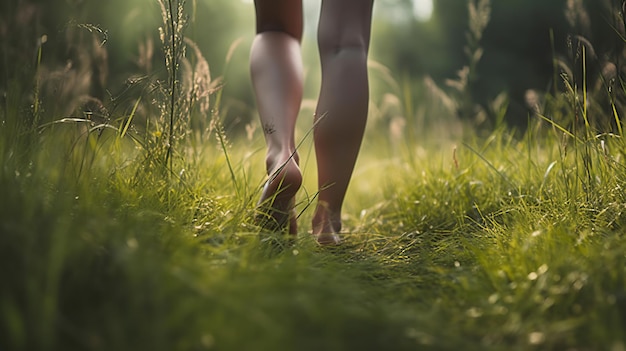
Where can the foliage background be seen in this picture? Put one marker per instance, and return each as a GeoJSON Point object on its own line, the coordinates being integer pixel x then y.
{"type": "Point", "coordinates": [517, 45]}
{"type": "Point", "coordinates": [117, 233]}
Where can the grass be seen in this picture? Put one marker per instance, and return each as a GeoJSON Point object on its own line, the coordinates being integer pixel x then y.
{"type": "Point", "coordinates": [507, 250]}
{"type": "Point", "coordinates": [112, 238]}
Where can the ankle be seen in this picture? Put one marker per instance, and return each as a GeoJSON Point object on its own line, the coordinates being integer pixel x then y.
{"type": "Point", "coordinates": [285, 178]}
{"type": "Point", "coordinates": [274, 160]}
{"type": "Point", "coordinates": [326, 220]}
{"type": "Point", "coordinates": [326, 227]}
{"type": "Point", "coordinates": [277, 201]}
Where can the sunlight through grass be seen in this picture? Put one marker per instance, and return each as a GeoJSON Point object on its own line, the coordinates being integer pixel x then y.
{"type": "Point", "coordinates": [134, 229]}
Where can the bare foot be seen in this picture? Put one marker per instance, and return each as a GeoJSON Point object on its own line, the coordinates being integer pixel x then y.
{"type": "Point", "coordinates": [326, 225]}
{"type": "Point", "coordinates": [276, 205]}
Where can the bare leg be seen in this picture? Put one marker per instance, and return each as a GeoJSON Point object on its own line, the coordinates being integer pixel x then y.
{"type": "Point", "coordinates": [343, 39]}
{"type": "Point", "coordinates": [276, 70]}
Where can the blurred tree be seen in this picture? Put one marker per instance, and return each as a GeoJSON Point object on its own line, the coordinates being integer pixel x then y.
{"type": "Point", "coordinates": [518, 51]}
{"type": "Point", "coordinates": [517, 43]}
{"type": "Point", "coordinates": [101, 44]}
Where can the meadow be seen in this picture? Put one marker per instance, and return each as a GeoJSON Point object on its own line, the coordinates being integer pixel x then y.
{"type": "Point", "coordinates": [132, 228]}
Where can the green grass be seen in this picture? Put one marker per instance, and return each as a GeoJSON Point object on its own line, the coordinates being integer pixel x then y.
{"type": "Point", "coordinates": [501, 244]}
{"type": "Point", "coordinates": [136, 232]}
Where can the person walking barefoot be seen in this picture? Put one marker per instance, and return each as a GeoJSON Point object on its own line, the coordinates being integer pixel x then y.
{"type": "Point", "coordinates": [341, 113]}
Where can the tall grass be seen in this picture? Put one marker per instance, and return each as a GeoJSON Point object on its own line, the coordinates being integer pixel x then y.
{"type": "Point", "coordinates": [126, 226]}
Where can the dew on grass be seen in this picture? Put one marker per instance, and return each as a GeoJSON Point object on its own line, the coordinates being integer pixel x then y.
{"type": "Point", "coordinates": [474, 312]}
{"type": "Point", "coordinates": [536, 338]}
{"type": "Point", "coordinates": [541, 270]}
{"type": "Point", "coordinates": [493, 298]}
{"type": "Point", "coordinates": [132, 243]}
{"type": "Point", "coordinates": [578, 285]}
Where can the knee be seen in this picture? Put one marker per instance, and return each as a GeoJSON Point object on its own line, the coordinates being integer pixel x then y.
{"type": "Point", "coordinates": [334, 43]}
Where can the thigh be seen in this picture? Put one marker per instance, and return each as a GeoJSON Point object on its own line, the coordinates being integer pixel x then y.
{"type": "Point", "coordinates": [345, 23]}
{"type": "Point", "coordinates": [279, 16]}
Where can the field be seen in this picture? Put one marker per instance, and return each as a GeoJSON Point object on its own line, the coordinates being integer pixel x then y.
{"type": "Point", "coordinates": [137, 232]}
